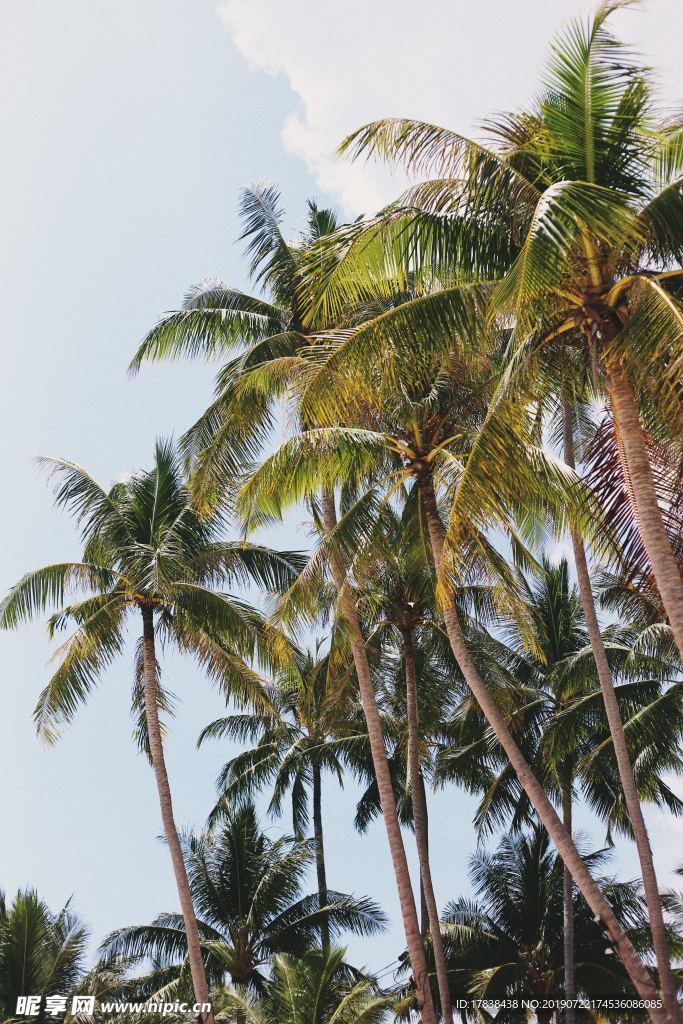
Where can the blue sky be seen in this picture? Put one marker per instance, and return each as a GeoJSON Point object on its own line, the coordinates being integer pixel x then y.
{"type": "Point", "coordinates": [128, 128]}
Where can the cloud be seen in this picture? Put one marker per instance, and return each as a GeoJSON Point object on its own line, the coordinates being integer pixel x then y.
{"type": "Point", "coordinates": [447, 61]}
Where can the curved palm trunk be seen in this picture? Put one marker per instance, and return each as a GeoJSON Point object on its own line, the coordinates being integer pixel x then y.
{"type": "Point", "coordinates": [411, 924]}
{"type": "Point", "coordinates": [419, 801]}
{"type": "Point", "coordinates": [194, 953]}
{"type": "Point", "coordinates": [628, 784]}
{"type": "Point", "coordinates": [538, 798]}
{"type": "Point", "coordinates": [664, 565]}
{"type": "Point", "coordinates": [568, 912]}
{"type": "Point", "coordinates": [320, 871]}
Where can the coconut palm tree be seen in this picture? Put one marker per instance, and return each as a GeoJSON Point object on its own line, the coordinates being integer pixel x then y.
{"type": "Point", "coordinates": [624, 760]}
{"type": "Point", "coordinates": [588, 212]}
{"type": "Point", "coordinates": [147, 553]}
{"type": "Point", "coordinates": [318, 988]}
{"type": "Point", "coordinates": [576, 206]}
{"type": "Point", "coordinates": [42, 954]}
{"type": "Point", "coordinates": [576, 209]}
{"type": "Point", "coordinates": [247, 889]}
{"type": "Point", "coordinates": [431, 431]}
{"type": "Point", "coordinates": [508, 940]}
{"type": "Point", "coordinates": [556, 712]}
{"type": "Point", "coordinates": [305, 733]}
{"type": "Point", "coordinates": [226, 439]}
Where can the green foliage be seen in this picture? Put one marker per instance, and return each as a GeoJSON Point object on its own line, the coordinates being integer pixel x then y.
{"type": "Point", "coordinates": [306, 729]}
{"type": "Point", "coordinates": [41, 952]}
{"type": "Point", "coordinates": [247, 893]}
{"type": "Point", "coordinates": [551, 697]}
{"type": "Point", "coordinates": [147, 547]}
{"type": "Point", "coordinates": [508, 940]}
{"type": "Point", "coordinates": [318, 988]}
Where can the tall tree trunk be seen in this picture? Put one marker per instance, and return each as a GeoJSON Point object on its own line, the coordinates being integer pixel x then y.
{"type": "Point", "coordinates": [568, 911]}
{"type": "Point", "coordinates": [424, 913]}
{"type": "Point", "coordinates": [616, 728]}
{"type": "Point", "coordinates": [320, 853]}
{"type": "Point", "coordinates": [411, 924]}
{"type": "Point", "coordinates": [664, 565]}
{"type": "Point", "coordinates": [156, 747]}
{"type": "Point", "coordinates": [538, 798]}
{"type": "Point", "coordinates": [419, 802]}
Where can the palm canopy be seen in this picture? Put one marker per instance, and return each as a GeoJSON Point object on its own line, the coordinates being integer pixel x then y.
{"type": "Point", "coordinates": [508, 940]}
{"type": "Point", "coordinates": [318, 988]}
{"type": "Point", "coordinates": [306, 728]}
{"type": "Point", "coordinates": [146, 549]}
{"type": "Point", "coordinates": [551, 697]}
{"type": "Point", "coordinates": [431, 426]}
{"type": "Point", "coordinates": [247, 891]}
{"type": "Point", "coordinates": [574, 207]}
{"type": "Point", "coordinates": [41, 952]}
{"type": "Point", "coordinates": [218, 320]}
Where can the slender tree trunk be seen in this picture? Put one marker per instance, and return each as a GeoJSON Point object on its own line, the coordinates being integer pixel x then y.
{"type": "Point", "coordinates": [194, 952]}
{"type": "Point", "coordinates": [419, 802]}
{"type": "Point", "coordinates": [628, 783]}
{"type": "Point", "coordinates": [664, 565]}
{"type": "Point", "coordinates": [538, 798]}
{"type": "Point", "coordinates": [568, 911]}
{"type": "Point", "coordinates": [424, 913]}
{"type": "Point", "coordinates": [320, 854]}
{"type": "Point", "coordinates": [411, 924]}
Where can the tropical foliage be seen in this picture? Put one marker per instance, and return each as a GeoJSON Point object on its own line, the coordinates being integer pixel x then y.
{"type": "Point", "coordinates": [41, 952]}
{"type": "Point", "coordinates": [486, 368]}
{"type": "Point", "coordinates": [507, 942]}
{"type": "Point", "coordinates": [247, 892]}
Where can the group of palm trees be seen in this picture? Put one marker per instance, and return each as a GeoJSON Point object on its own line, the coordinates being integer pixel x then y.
{"type": "Point", "coordinates": [489, 364]}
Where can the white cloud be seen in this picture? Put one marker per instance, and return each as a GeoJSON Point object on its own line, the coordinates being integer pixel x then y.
{"type": "Point", "coordinates": [453, 62]}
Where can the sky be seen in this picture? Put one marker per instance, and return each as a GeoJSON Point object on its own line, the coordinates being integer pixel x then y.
{"type": "Point", "coordinates": [129, 127]}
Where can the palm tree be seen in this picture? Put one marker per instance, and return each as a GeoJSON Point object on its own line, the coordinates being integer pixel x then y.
{"type": "Point", "coordinates": [557, 716]}
{"type": "Point", "coordinates": [508, 941]}
{"type": "Point", "coordinates": [247, 889]}
{"type": "Point", "coordinates": [318, 988]}
{"type": "Point", "coordinates": [435, 429]}
{"type": "Point", "coordinates": [576, 206]}
{"type": "Point", "coordinates": [585, 197]}
{"type": "Point", "coordinates": [225, 440]}
{"type": "Point", "coordinates": [397, 598]}
{"type": "Point", "coordinates": [41, 953]}
{"type": "Point", "coordinates": [581, 217]}
{"type": "Point", "coordinates": [306, 732]}
{"type": "Point", "coordinates": [147, 551]}
{"type": "Point", "coordinates": [624, 761]}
